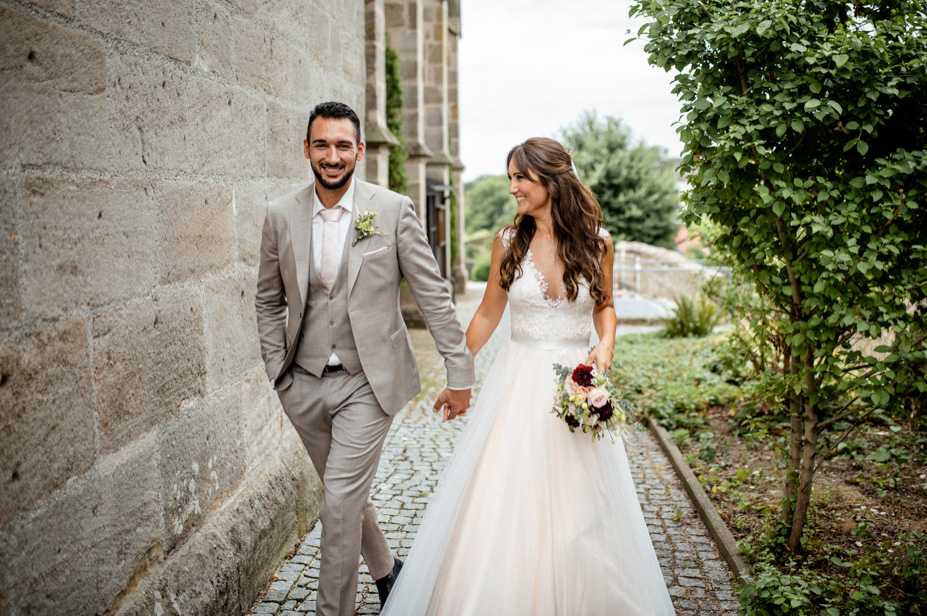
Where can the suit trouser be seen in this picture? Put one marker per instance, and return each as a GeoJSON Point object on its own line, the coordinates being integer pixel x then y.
{"type": "Point", "coordinates": [343, 428]}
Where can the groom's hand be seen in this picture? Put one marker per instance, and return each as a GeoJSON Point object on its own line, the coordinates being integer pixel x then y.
{"type": "Point", "coordinates": [453, 403]}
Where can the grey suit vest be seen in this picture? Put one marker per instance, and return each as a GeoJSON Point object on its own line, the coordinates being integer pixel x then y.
{"type": "Point", "coordinates": [326, 327]}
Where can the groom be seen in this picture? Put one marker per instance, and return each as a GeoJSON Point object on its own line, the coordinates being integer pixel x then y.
{"type": "Point", "coordinates": [335, 347]}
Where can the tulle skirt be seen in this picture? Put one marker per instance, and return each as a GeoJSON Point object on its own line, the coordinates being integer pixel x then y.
{"type": "Point", "coordinates": [529, 518]}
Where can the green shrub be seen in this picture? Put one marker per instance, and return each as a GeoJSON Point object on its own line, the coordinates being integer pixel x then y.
{"type": "Point", "coordinates": [831, 580]}
{"type": "Point", "coordinates": [480, 271]}
{"type": "Point", "coordinates": [695, 316]}
{"type": "Point", "coordinates": [669, 379]}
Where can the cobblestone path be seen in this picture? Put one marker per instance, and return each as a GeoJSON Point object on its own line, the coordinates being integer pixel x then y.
{"type": "Point", "coordinates": [417, 449]}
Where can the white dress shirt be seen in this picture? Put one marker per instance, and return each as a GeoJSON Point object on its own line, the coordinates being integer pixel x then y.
{"type": "Point", "coordinates": [318, 225]}
{"type": "Point", "coordinates": [318, 228]}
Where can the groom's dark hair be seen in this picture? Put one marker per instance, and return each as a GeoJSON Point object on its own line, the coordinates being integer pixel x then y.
{"type": "Point", "coordinates": [335, 111]}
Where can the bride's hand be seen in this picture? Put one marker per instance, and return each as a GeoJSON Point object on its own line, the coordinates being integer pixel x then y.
{"type": "Point", "coordinates": [601, 356]}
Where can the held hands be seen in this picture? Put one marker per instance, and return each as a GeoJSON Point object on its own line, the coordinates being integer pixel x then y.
{"type": "Point", "coordinates": [601, 356]}
{"type": "Point", "coordinates": [453, 403]}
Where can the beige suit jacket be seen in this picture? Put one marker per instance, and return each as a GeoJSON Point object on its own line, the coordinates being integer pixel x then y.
{"type": "Point", "coordinates": [376, 267]}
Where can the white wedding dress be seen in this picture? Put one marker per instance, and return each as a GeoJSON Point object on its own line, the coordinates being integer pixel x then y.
{"type": "Point", "coordinates": [529, 518]}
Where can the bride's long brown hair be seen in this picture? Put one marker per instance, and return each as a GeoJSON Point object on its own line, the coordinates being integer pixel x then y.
{"type": "Point", "coordinates": [575, 212]}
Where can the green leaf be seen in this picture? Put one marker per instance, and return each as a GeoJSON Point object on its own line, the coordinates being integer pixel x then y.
{"type": "Point", "coordinates": [798, 126]}
{"type": "Point", "coordinates": [740, 29]}
{"type": "Point", "coordinates": [812, 104]}
{"type": "Point", "coordinates": [862, 147]}
{"type": "Point", "coordinates": [862, 266]}
{"type": "Point", "coordinates": [840, 59]}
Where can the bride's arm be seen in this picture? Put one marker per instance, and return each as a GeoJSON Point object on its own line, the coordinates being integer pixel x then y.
{"type": "Point", "coordinates": [492, 306]}
{"type": "Point", "coordinates": [603, 317]}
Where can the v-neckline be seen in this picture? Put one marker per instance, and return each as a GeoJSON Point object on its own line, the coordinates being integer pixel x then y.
{"type": "Point", "coordinates": [542, 282]}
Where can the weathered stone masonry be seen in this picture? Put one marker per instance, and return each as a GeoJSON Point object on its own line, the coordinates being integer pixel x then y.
{"type": "Point", "coordinates": [146, 466]}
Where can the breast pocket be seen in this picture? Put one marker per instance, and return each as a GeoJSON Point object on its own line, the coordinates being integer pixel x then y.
{"type": "Point", "coordinates": [373, 254]}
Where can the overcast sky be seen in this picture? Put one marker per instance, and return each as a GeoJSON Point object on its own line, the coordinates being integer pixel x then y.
{"type": "Point", "coordinates": [531, 67]}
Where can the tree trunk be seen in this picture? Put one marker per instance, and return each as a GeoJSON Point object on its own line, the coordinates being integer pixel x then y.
{"type": "Point", "coordinates": [806, 470]}
{"type": "Point", "coordinates": [790, 485]}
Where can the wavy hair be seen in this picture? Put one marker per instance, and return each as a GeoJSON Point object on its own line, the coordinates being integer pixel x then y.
{"type": "Point", "coordinates": [576, 216]}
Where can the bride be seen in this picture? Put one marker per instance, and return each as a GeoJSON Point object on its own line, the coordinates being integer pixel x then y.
{"type": "Point", "coordinates": [530, 518]}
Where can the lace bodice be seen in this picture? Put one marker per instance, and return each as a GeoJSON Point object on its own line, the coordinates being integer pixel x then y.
{"type": "Point", "coordinates": [538, 319]}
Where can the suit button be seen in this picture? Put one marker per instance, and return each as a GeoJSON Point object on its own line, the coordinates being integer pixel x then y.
{"type": "Point", "coordinates": [332, 296]}
{"type": "Point", "coordinates": [334, 345]}
{"type": "Point", "coordinates": [332, 322]}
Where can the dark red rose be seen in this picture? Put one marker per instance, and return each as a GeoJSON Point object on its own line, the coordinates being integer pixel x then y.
{"type": "Point", "coordinates": [571, 421]}
{"type": "Point", "coordinates": [604, 413]}
{"type": "Point", "coordinates": [582, 375]}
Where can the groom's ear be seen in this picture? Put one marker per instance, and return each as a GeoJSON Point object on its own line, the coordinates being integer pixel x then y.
{"type": "Point", "coordinates": [360, 151]}
{"type": "Point", "coordinates": [306, 148]}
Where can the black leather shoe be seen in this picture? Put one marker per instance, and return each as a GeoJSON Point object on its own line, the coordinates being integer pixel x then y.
{"type": "Point", "coordinates": [385, 584]}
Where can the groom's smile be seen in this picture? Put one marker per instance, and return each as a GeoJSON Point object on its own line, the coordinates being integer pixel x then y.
{"type": "Point", "coordinates": [333, 152]}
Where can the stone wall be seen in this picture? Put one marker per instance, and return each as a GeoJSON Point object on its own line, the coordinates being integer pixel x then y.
{"type": "Point", "coordinates": [146, 465]}
{"type": "Point", "coordinates": [657, 272]}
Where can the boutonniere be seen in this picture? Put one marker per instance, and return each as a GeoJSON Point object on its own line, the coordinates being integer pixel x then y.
{"type": "Point", "coordinates": [365, 227]}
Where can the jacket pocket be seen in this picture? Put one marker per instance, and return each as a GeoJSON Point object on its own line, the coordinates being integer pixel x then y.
{"type": "Point", "coordinates": [373, 254]}
{"type": "Point", "coordinates": [398, 337]}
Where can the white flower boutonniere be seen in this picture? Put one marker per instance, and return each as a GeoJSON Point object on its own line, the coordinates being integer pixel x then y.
{"type": "Point", "coordinates": [365, 227]}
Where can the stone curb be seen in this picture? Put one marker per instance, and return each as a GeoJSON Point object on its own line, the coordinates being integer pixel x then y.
{"type": "Point", "coordinates": [716, 526]}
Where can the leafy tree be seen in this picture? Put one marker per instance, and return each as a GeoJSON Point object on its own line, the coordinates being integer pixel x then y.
{"type": "Point", "coordinates": [398, 178]}
{"type": "Point", "coordinates": [634, 182]}
{"type": "Point", "coordinates": [804, 142]}
{"type": "Point", "coordinates": [489, 204]}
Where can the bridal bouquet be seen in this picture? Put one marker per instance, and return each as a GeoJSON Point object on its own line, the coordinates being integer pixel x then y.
{"type": "Point", "coordinates": [587, 399]}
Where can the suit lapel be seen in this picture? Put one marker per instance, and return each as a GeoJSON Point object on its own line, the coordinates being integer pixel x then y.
{"type": "Point", "coordinates": [301, 238]}
{"type": "Point", "coordinates": [363, 202]}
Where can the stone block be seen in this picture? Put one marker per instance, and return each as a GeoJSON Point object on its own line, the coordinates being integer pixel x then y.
{"type": "Point", "coordinates": [197, 234]}
{"type": "Point", "coordinates": [395, 13]}
{"type": "Point", "coordinates": [434, 95]}
{"type": "Point", "coordinates": [232, 347]}
{"type": "Point", "coordinates": [11, 304]}
{"type": "Point", "coordinates": [286, 18]}
{"type": "Point", "coordinates": [296, 459]}
{"type": "Point", "coordinates": [320, 39]}
{"type": "Point", "coordinates": [52, 95]}
{"type": "Point", "coordinates": [261, 58]}
{"type": "Point", "coordinates": [261, 523]}
{"type": "Point", "coordinates": [149, 112]}
{"type": "Point", "coordinates": [4, 591]}
{"type": "Point", "coordinates": [201, 578]}
{"type": "Point", "coordinates": [62, 7]}
{"type": "Point", "coordinates": [263, 418]}
{"type": "Point", "coordinates": [248, 6]}
{"type": "Point", "coordinates": [115, 18]}
{"type": "Point", "coordinates": [78, 552]}
{"type": "Point", "coordinates": [250, 207]}
{"type": "Point", "coordinates": [46, 430]}
{"type": "Point", "coordinates": [216, 49]}
{"type": "Point", "coordinates": [201, 457]}
{"type": "Point", "coordinates": [42, 126]}
{"type": "Point", "coordinates": [60, 58]}
{"type": "Point", "coordinates": [170, 29]}
{"type": "Point", "coordinates": [86, 242]}
{"type": "Point", "coordinates": [149, 361]}
{"type": "Point", "coordinates": [286, 130]}
{"type": "Point", "coordinates": [302, 77]}
{"type": "Point", "coordinates": [214, 148]}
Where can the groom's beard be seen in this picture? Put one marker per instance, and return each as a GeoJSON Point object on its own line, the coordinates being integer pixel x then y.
{"type": "Point", "coordinates": [340, 182]}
